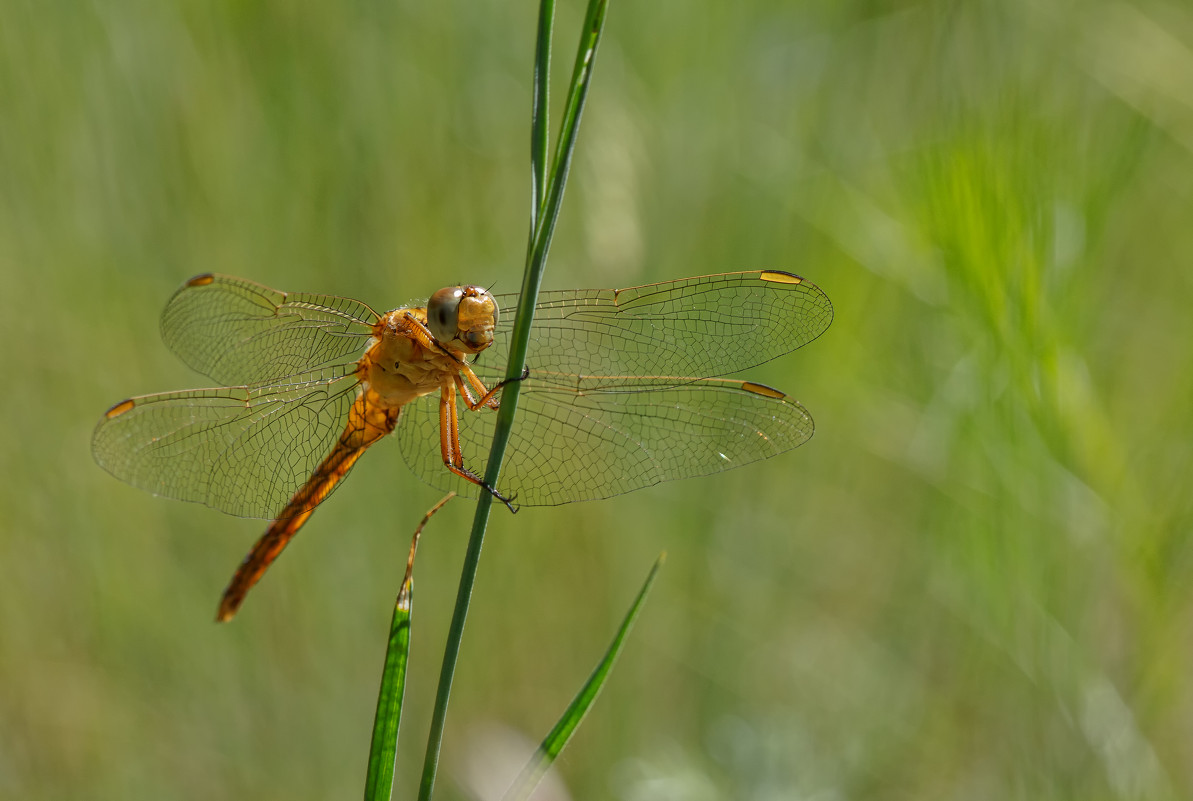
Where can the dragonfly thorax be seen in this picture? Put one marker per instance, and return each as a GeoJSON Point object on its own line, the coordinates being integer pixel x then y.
{"type": "Point", "coordinates": [403, 362]}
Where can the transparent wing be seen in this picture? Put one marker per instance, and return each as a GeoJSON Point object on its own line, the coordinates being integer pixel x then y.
{"type": "Point", "coordinates": [707, 326]}
{"type": "Point", "coordinates": [238, 332]}
{"type": "Point", "coordinates": [242, 450]}
{"type": "Point", "coordinates": [578, 439]}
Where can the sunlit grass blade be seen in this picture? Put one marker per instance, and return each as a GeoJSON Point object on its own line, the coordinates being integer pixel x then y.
{"type": "Point", "coordinates": [554, 742]}
{"type": "Point", "coordinates": [536, 260]}
{"type": "Point", "coordinates": [540, 113]}
{"type": "Point", "coordinates": [382, 753]}
{"type": "Point", "coordinates": [590, 37]}
{"type": "Point", "coordinates": [384, 749]}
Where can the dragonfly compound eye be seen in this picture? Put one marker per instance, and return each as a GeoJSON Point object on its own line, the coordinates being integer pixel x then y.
{"type": "Point", "coordinates": [443, 313]}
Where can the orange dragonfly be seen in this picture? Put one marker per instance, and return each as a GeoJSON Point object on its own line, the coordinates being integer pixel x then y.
{"type": "Point", "coordinates": [623, 392]}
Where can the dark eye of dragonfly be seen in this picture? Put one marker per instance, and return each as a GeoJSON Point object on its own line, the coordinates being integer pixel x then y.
{"type": "Point", "coordinates": [443, 311]}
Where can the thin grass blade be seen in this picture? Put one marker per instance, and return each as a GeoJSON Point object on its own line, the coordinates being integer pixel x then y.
{"type": "Point", "coordinates": [554, 742]}
{"type": "Point", "coordinates": [540, 113]}
{"type": "Point", "coordinates": [590, 37]}
{"type": "Point", "coordinates": [384, 749]}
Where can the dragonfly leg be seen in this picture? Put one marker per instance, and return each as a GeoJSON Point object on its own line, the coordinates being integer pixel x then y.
{"type": "Point", "coordinates": [449, 443]}
{"type": "Point", "coordinates": [487, 397]}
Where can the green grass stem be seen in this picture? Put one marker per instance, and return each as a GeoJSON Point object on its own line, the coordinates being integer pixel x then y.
{"type": "Point", "coordinates": [543, 228]}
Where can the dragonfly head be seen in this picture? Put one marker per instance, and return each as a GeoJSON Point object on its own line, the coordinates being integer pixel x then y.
{"type": "Point", "coordinates": [462, 317]}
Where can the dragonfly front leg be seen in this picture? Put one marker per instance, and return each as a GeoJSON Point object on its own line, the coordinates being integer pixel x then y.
{"type": "Point", "coordinates": [449, 441]}
{"type": "Point", "coordinates": [487, 397]}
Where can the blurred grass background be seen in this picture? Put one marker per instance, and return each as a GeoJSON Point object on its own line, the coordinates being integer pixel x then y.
{"type": "Point", "coordinates": [975, 582]}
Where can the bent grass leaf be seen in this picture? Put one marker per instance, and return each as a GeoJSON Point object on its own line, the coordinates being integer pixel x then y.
{"type": "Point", "coordinates": [383, 752]}
{"type": "Point", "coordinates": [554, 742]}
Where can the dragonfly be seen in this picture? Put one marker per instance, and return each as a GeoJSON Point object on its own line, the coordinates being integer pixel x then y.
{"type": "Point", "coordinates": [624, 389]}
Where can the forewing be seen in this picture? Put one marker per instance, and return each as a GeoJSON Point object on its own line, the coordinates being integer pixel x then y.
{"type": "Point", "coordinates": [242, 450]}
{"type": "Point", "coordinates": [238, 332]}
{"type": "Point", "coordinates": [578, 439]}
{"type": "Point", "coordinates": [708, 326]}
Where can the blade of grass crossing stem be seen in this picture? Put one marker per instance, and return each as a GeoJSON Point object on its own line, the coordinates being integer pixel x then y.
{"type": "Point", "coordinates": [554, 742]}
{"type": "Point", "coordinates": [532, 278]}
{"type": "Point", "coordinates": [590, 37]}
{"type": "Point", "coordinates": [384, 750]}
{"type": "Point", "coordinates": [540, 113]}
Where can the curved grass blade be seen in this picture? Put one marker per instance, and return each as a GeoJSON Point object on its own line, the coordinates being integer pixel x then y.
{"type": "Point", "coordinates": [536, 260]}
{"type": "Point", "coordinates": [554, 742]}
{"type": "Point", "coordinates": [384, 749]}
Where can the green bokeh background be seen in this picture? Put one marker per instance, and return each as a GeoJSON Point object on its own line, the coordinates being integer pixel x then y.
{"type": "Point", "coordinates": [975, 582]}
